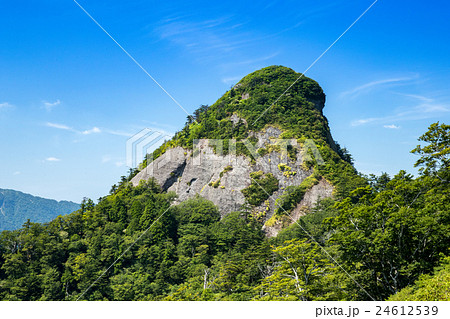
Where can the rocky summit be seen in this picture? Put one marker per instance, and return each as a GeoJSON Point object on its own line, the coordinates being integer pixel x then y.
{"type": "Point", "coordinates": [245, 152]}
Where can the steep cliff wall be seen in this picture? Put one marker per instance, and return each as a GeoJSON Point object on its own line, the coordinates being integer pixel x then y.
{"type": "Point", "coordinates": [222, 178]}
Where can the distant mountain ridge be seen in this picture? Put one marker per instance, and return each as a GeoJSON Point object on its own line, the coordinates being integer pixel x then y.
{"type": "Point", "coordinates": [17, 207]}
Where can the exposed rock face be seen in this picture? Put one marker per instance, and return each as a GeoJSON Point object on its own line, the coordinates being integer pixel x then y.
{"type": "Point", "coordinates": [236, 119]}
{"type": "Point", "coordinates": [320, 191]}
{"type": "Point", "coordinates": [260, 108]}
{"type": "Point", "coordinates": [319, 104]}
{"type": "Point", "coordinates": [221, 178]}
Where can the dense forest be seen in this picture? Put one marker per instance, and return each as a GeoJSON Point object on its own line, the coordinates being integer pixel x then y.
{"type": "Point", "coordinates": [388, 239]}
{"type": "Point", "coordinates": [378, 238]}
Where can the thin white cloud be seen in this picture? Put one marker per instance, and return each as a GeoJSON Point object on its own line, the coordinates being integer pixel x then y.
{"type": "Point", "coordinates": [96, 130]}
{"type": "Point", "coordinates": [371, 85]}
{"type": "Point", "coordinates": [52, 159]}
{"type": "Point", "coordinates": [116, 161]}
{"type": "Point", "coordinates": [5, 105]}
{"type": "Point", "coordinates": [59, 126]}
{"type": "Point", "coordinates": [208, 40]}
{"type": "Point", "coordinates": [51, 105]}
{"type": "Point", "coordinates": [418, 97]}
{"type": "Point", "coordinates": [106, 159]}
{"type": "Point", "coordinates": [118, 133]}
{"type": "Point", "coordinates": [425, 109]}
{"type": "Point", "coordinates": [16, 173]}
{"type": "Point", "coordinates": [364, 121]}
{"type": "Point", "coordinates": [92, 131]}
{"type": "Point", "coordinates": [68, 128]}
{"type": "Point", "coordinates": [392, 126]}
{"type": "Point", "coordinates": [120, 164]}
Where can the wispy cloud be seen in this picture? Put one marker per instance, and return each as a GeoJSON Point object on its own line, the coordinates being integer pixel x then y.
{"type": "Point", "coordinates": [68, 128]}
{"type": "Point", "coordinates": [115, 161]}
{"type": "Point", "coordinates": [52, 159]}
{"type": "Point", "coordinates": [119, 164]}
{"type": "Point", "coordinates": [371, 85]}
{"type": "Point", "coordinates": [363, 121]}
{"type": "Point", "coordinates": [51, 105]}
{"type": "Point", "coordinates": [118, 133]}
{"type": "Point", "coordinates": [106, 159]}
{"type": "Point", "coordinates": [16, 173]}
{"type": "Point", "coordinates": [424, 108]}
{"type": "Point", "coordinates": [92, 131]}
{"type": "Point", "coordinates": [418, 97]}
{"type": "Point", "coordinates": [5, 105]}
{"type": "Point", "coordinates": [59, 126]}
{"type": "Point", "coordinates": [208, 39]}
{"type": "Point", "coordinates": [392, 126]}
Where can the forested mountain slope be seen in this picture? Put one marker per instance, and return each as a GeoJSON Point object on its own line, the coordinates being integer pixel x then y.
{"type": "Point", "coordinates": [17, 207]}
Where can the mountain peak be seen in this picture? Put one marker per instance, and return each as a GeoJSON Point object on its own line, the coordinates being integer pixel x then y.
{"type": "Point", "coordinates": [275, 95]}
{"type": "Point", "coordinates": [282, 81]}
{"type": "Point", "coordinates": [266, 107]}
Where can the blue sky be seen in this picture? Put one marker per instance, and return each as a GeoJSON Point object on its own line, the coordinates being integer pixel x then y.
{"type": "Point", "coordinates": [70, 98]}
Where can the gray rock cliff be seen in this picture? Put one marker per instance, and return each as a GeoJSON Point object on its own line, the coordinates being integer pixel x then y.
{"type": "Point", "coordinates": [221, 178]}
